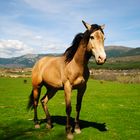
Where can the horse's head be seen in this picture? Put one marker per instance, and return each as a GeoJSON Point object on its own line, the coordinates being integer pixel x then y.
{"type": "Point", "coordinates": [96, 42]}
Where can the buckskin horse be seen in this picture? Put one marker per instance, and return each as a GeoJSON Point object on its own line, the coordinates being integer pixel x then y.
{"type": "Point", "coordinates": [68, 71]}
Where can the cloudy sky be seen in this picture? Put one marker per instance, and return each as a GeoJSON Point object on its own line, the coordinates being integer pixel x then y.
{"type": "Point", "coordinates": [49, 26]}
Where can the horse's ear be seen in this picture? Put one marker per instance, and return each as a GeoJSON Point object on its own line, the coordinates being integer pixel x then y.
{"type": "Point", "coordinates": [102, 26]}
{"type": "Point", "coordinates": [88, 26]}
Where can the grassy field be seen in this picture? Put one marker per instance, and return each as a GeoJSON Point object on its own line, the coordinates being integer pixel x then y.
{"type": "Point", "coordinates": [110, 111]}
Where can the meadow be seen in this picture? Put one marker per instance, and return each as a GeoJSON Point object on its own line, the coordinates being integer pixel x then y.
{"type": "Point", "coordinates": [110, 111]}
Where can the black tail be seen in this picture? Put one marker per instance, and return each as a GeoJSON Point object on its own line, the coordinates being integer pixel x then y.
{"type": "Point", "coordinates": [31, 102]}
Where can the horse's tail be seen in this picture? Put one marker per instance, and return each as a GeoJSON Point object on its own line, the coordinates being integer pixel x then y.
{"type": "Point", "coordinates": [31, 102]}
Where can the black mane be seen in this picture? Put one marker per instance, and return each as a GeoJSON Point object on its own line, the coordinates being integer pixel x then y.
{"type": "Point", "coordinates": [69, 53]}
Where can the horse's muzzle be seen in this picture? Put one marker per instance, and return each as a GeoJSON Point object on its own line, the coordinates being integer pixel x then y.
{"type": "Point", "coordinates": [101, 60]}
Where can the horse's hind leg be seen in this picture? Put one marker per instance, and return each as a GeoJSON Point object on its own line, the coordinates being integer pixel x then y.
{"type": "Point", "coordinates": [36, 95]}
{"type": "Point", "coordinates": [50, 93]}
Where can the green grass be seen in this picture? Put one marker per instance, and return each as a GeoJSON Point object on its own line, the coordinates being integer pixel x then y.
{"type": "Point", "coordinates": [115, 104]}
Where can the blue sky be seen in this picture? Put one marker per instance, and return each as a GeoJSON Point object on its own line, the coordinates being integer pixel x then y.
{"type": "Point", "coordinates": [49, 26]}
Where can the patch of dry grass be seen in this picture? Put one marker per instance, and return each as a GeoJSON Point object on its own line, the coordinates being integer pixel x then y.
{"type": "Point", "coordinates": [123, 76]}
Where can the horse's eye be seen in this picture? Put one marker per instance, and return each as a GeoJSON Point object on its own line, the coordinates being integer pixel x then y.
{"type": "Point", "coordinates": [91, 37]}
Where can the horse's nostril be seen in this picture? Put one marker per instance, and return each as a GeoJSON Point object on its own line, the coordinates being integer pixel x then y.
{"type": "Point", "coordinates": [100, 58]}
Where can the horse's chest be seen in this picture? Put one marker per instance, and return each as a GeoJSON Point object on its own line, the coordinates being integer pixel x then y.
{"type": "Point", "coordinates": [76, 79]}
{"type": "Point", "coordinates": [76, 75]}
{"type": "Point", "coordinates": [79, 80]}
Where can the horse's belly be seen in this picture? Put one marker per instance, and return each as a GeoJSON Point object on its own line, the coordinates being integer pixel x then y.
{"type": "Point", "coordinates": [55, 84]}
{"type": "Point", "coordinates": [53, 80]}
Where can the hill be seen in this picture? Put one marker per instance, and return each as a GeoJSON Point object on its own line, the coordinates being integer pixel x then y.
{"type": "Point", "coordinates": [29, 59]}
{"type": "Point", "coordinates": [121, 51]}
{"type": "Point", "coordinates": [22, 61]}
{"type": "Point", "coordinates": [116, 51]}
{"type": "Point", "coordinates": [132, 52]}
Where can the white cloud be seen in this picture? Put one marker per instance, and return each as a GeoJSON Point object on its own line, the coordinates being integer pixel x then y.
{"type": "Point", "coordinates": [46, 26]}
{"type": "Point", "coordinates": [53, 47]}
{"type": "Point", "coordinates": [38, 37]}
{"type": "Point", "coordinates": [40, 41]}
{"type": "Point", "coordinates": [12, 48]}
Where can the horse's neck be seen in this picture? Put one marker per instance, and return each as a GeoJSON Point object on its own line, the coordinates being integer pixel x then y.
{"type": "Point", "coordinates": [80, 55]}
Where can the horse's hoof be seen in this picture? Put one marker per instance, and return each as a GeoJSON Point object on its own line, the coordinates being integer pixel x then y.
{"type": "Point", "coordinates": [77, 130]}
{"type": "Point", "coordinates": [37, 126]}
{"type": "Point", "coordinates": [48, 126]}
{"type": "Point", "coordinates": [70, 136]}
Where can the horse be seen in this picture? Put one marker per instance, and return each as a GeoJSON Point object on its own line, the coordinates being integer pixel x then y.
{"type": "Point", "coordinates": [67, 72]}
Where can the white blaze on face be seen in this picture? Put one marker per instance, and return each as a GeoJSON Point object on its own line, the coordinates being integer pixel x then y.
{"type": "Point", "coordinates": [97, 46]}
{"type": "Point", "coordinates": [100, 55]}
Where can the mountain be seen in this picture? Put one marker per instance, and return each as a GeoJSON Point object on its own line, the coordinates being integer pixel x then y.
{"type": "Point", "coordinates": [132, 52]}
{"type": "Point", "coordinates": [30, 59]}
{"type": "Point", "coordinates": [116, 51]}
{"type": "Point", "coordinates": [22, 61]}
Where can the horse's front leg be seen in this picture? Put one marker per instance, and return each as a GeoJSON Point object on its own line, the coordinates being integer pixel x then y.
{"type": "Point", "coordinates": [68, 90]}
{"type": "Point", "coordinates": [80, 94]}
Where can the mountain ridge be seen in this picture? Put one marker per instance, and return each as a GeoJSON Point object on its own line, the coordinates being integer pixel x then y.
{"type": "Point", "coordinates": [29, 60]}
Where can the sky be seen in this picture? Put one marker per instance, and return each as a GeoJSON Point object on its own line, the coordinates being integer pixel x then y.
{"type": "Point", "coordinates": [49, 26]}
